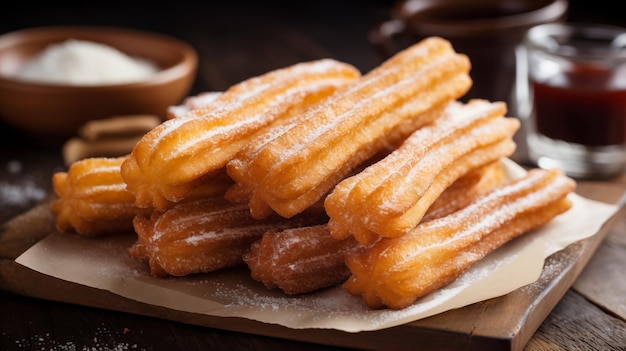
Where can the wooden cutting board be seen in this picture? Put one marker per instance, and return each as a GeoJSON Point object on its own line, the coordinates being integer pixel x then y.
{"type": "Point", "coordinates": [503, 323]}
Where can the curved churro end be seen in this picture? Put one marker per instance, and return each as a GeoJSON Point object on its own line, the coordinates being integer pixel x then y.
{"type": "Point", "coordinates": [92, 198]}
{"type": "Point", "coordinates": [168, 161]}
{"type": "Point", "coordinates": [299, 260]}
{"type": "Point", "coordinates": [394, 272]}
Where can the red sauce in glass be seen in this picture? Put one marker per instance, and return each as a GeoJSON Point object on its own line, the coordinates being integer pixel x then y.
{"type": "Point", "coordinates": [581, 106]}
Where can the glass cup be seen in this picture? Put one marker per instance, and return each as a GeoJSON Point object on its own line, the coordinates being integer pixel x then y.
{"type": "Point", "coordinates": [572, 89]}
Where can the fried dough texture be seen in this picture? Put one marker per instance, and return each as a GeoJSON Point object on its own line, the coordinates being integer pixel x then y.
{"type": "Point", "coordinates": [182, 152]}
{"type": "Point", "coordinates": [296, 165]}
{"type": "Point", "coordinates": [390, 197]}
{"type": "Point", "coordinates": [395, 272]}
{"type": "Point", "coordinates": [305, 259]}
{"type": "Point", "coordinates": [300, 260]}
{"type": "Point", "coordinates": [204, 235]}
{"type": "Point", "coordinates": [92, 198]}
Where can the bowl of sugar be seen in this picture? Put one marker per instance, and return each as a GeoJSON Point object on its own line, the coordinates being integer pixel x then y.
{"type": "Point", "coordinates": [55, 79]}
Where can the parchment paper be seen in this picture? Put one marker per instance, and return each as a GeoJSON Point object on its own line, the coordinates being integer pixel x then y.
{"type": "Point", "coordinates": [103, 263]}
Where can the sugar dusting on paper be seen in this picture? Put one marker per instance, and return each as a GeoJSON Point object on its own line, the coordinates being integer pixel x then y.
{"type": "Point", "coordinates": [22, 191]}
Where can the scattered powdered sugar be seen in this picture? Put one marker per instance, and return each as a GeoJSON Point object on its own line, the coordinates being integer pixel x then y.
{"type": "Point", "coordinates": [553, 267]}
{"type": "Point", "coordinates": [102, 340]}
{"type": "Point", "coordinates": [329, 301]}
{"type": "Point", "coordinates": [22, 191]}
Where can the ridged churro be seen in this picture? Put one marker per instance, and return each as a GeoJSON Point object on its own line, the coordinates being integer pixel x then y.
{"type": "Point", "coordinates": [301, 260]}
{"type": "Point", "coordinates": [298, 164]}
{"type": "Point", "coordinates": [92, 198]}
{"type": "Point", "coordinates": [173, 158]}
{"type": "Point", "coordinates": [394, 272]}
{"type": "Point", "coordinates": [391, 196]}
{"type": "Point", "coordinates": [204, 235]}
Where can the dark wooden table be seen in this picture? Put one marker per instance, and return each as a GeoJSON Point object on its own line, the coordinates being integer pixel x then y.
{"type": "Point", "coordinates": [237, 40]}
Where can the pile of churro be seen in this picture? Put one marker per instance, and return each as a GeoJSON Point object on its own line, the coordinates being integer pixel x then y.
{"type": "Point", "coordinates": [316, 175]}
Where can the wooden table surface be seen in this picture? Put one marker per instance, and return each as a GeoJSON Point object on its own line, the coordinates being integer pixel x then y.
{"type": "Point", "coordinates": [237, 40]}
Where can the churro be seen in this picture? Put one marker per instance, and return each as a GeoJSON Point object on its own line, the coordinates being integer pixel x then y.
{"type": "Point", "coordinates": [305, 259]}
{"type": "Point", "coordinates": [181, 153]}
{"type": "Point", "coordinates": [394, 272]}
{"type": "Point", "coordinates": [391, 196]}
{"type": "Point", "coordinates": [204, 235]}
{"type": "Point", "coordinates": [298, 164]}
{"type": "Point", "coordinates": [300, 260]}
{"type": "Point", "coordinates": [92, 198]}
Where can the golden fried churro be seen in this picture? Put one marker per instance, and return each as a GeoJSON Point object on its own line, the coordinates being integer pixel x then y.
{"type": "Point", "coordinates": [394, 272]}
{"type": "Point", "coordinates": [299, 260]}
{"type": "Point", "coordinates": [92, 198]}
{"type": "Point", "coordinates": [205, 235]}
{"type": "Point", "coordinates": [300, 164]}
{"type": "Point", "coordinates": [182, 152]}
{"type": "Point", "coordinates": [391, 196]}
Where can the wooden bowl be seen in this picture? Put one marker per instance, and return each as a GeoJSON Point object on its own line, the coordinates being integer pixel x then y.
{"type": "Point", "coordinates": [54, 111]}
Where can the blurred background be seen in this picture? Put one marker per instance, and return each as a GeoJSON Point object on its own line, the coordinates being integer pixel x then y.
{"type": "Point", "coordinates": [236, 33]}
{"type": "Point", "coordinates": [235, 40]}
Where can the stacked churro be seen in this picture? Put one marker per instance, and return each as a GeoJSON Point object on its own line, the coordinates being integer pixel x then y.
{"type": "Point", "coordinates": [204, 235]}
{"type": "Point", "coordinates": [92, 198]}
{"type": "Point", "coordinates": [391, 196]}
{"type": "Point", "coordinates": [315, 176]}
{"type": "Point", "coordinates": [297, 165]}
{"type": "Point", "coordinates": [394, 272]}
{"type": "Point", "coordinates": [301, 260]}
{"type": "Point", "coordinates": [181, 153]}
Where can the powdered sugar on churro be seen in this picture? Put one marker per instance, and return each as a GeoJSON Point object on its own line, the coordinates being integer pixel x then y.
{"type": "Point", "coordinates": [379, 110]}
{"type": "Point", "coordinates": [439, 251]}
{"type": "Point", "coordinates": [391, 196]}
{"type": "Point", "coordinates": [167, 162]}
{"type": "Point", "coordinates": [111, 169]}
{"type": "Point", "coordinates": [249, 92]}
{"type": "Point", "coordinates": [494, 215]}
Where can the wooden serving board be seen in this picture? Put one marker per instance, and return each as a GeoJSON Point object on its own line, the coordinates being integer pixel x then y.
{"type": "Point", "coordinates": [503, 323]}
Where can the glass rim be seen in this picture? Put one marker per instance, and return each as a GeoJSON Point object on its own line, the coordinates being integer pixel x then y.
{"type": "Point", "coordinates": [556, 39]}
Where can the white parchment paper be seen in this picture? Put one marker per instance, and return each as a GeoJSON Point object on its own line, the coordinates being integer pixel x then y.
{"type": "Point", "coordinates": [104, 263]}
